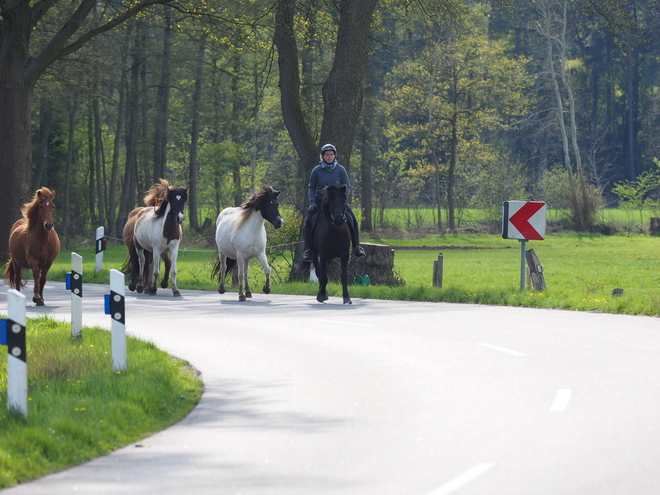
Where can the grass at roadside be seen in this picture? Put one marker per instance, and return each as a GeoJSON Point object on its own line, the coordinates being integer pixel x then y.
{"type": "Point", "coordinates": [78, 409]}
{"type": "Point", "coordinates": [580, 271]}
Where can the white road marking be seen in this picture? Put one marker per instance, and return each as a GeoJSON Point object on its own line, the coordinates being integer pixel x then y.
{"type": "Point", "coordinates": [462, 480]}
{"type": "Point", "coordinates": [344, 323]}
{"type": "Point", "coordinates": [502, 349]}
{"type": "Point", "coordinates": [562, 399]}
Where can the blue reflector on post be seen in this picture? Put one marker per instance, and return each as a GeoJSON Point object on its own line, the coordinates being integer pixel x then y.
{"type": "Point", "coordinates": [3, 331]}
{"type": "Point", "coordinates": [68, 281]}
{"type": "Point", "coordinates": [107, 304]}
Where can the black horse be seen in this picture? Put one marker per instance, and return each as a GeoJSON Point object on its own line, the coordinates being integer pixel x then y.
{"type": "Point", "coordinates": [332, 239]}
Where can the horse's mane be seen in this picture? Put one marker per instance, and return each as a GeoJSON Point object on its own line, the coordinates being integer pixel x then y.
{"type": "Point", "coordinates": [30, 209]}
{"type": "Point", "coordinates": [157, 193]}
{"type": "Point", "coordinates": [172, 191]}
{"type": "Point", "coordinates": [256, 200]}
{"type": "Point", "coordinates": [329, 190]}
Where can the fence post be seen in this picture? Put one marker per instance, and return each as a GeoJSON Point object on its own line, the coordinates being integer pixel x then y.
{"type": "Point", "coordinates": [76, 294]}
{"type": "Point", "coordinates": [100, 247]}
{"type": "Point", "coordinates": [13, 336]}
{"type": "Point", "coordinates": [115, 307]}
{"type": "Point", "coordinates": [437, 271]}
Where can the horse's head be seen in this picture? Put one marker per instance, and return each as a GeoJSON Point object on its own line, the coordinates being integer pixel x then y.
{"type": "Point", "coordinates": [268, 206]}
{"type": "Point", "coordinates": [44, 200]}
{"type": "Point", "coordinates": [177, 197]}
{"type": "Point", "coordinates": [334, 204]}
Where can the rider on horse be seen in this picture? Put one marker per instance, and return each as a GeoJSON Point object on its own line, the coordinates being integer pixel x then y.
{"type": "Point", "coordinates": [328, 171]}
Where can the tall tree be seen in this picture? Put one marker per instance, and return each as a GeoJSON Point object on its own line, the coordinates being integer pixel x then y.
{"type": "Point", "coordinates": [20, 69]}
{"type": "Point", "coordinates": [342, 90]}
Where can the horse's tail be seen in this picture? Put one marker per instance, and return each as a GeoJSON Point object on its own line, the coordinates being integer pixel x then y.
{"type": "Point", "coordinates": [216, 272]}
{"type": "Point", "coordinates": [11, 270]}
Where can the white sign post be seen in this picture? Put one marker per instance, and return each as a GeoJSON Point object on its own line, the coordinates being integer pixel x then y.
{"type": "Point", "coordinates": [76, 294]}
{"type": "Point", "coordinates": [100, 247]}
{"type": "Point", "coordinates": [14, 338]}
{"type": "Point", "coordinates": [117, 313]}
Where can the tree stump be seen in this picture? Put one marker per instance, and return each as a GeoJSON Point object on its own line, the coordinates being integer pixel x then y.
{"type": "Point", "coordinates": [654, 228]}
{"type": "Point", "coordinates": [377, 266]}
{"type": "Point", "coordinates": [535, 270]}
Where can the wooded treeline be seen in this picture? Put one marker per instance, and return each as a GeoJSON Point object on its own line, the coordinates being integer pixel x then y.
{"type": "Point", "coordinates": [453, 105]}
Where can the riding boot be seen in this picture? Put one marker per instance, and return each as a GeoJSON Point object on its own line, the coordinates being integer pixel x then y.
{"type": "Point", "coordinates": [358, 251]}
{"type": "Point", "coordinates": [308, 255]}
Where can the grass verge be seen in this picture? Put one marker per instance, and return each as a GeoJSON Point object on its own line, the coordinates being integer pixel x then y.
{"type": "Point", "coordinates": [78, 409]}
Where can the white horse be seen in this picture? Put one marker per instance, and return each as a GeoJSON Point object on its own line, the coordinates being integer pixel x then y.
{"type": "Point", "coordinates": [158, 230]}
{"type": "Point", "coordinates": [241, 235]}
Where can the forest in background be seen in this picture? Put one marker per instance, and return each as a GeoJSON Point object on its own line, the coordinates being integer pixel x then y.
{"type": "Point", "coordinates": [465, 104]}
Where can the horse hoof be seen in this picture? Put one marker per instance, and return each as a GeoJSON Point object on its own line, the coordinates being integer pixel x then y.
{"type": "Point", "coordinates": [321, 298]}
{"type": "Point", "coordinates": [139, 289]}
{"type": "Point", "coordinates": [248, 295]}
{"type": "Point", "coordinates": [242, 298]}
{"type": "Point", "coordinates": [38, 302]}
{"type": "Point", "coordinates": [221, 290]}
{"type": "Point", "coordinates": [347, 300]}
{"type": "Point", "coordinates": [164, 284]}
{"type": "Point", "coordinates": [131, 287]}
{"type": "Point", "coordinates": [176, 293]}
{"type": "Point", "coordinates": [266, 289]}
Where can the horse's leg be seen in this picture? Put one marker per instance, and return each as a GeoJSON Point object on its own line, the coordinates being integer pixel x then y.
{"type": "Point", "coordinates": [42, 281]}
{"type": "Point", "coordinates": [174, 253]}
{"type": "Point", "coordinates": [264, 263]}
{"type": "Point", "coordinates": [168, 266]}
{"type": "Point", "coordinates": [322, 275]}
{"type": "Point", "coordinates": [142, 263]}
{"type": "Point", "coordinates": [344, 280]}
{"type": "Point", "coordinates": [246, 274]}
{"type": "Point", "coordinates": [240, 265]}
{"type": "Point", "coordinates": [223, 273]}
{"type": "Point", "coordinates": [36, 273]}
{"type": "Point", "coordinates": [154, 272]}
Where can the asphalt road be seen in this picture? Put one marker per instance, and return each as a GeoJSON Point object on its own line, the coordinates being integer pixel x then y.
{"type": "Point", "coordinates": [385, 397]}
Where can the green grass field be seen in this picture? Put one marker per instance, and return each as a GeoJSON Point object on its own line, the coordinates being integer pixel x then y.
{"type": "Point", "coordinates": [580, 271]}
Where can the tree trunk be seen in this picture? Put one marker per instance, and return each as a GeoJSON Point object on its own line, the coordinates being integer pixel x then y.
{"type": "Point", "coordinates": [367, 153]}
{"type": "Point", "coordinates": [99, 160]}
{"type": "Point", "coordinates": [70, 159]}
{"type": "Point", "coordinates": [193, 167]}
{"type": "Point", "coordinates": [451, 174]}
{"type": "Point", "coordinates": [40, 175]}
{"type": "Point", "coordinates": [15, 150]}
{"type": "Point", "coordinates": [235, 113]}
{"type": "Point", "coordinates": [113, 226]}
{"type": "Point", "coordinates": [162, 104]}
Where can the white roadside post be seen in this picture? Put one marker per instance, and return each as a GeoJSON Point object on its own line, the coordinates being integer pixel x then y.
{"type": "Point", "coordinates": [116, 308]}
{"type": "Point", "coordinates": [13, 336]}
{"type": "Point", "coordinates": [76, 294]}
{"type": "Point", "coordinates": [100, 247]}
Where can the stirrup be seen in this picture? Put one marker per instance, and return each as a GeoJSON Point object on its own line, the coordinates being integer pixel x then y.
{"type": "Point", "coordinates": [358, 252]}
{"type": "Point", "coordinates": [308, 256]}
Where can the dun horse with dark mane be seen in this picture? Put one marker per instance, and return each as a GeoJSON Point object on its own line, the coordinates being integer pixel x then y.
{"type": "Point", "coordinates": [33, 244]}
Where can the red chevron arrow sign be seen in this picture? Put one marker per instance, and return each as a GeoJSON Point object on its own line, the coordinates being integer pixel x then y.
{"type": "Point", "coordinates": [523, 220]}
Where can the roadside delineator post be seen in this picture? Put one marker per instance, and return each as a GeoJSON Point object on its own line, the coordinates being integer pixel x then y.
{"type": "Point", "coordinates": [101, 244]}
{"type": "Point", "coordinates": [12, 334]}
{"type": "Point", "coordinates": [74, 284]}
{"type": "Point", "coordinates": [115, 307]}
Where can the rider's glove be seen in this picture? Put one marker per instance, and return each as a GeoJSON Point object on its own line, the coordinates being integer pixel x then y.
{"type": "Point", "coordinates": [312, 209]}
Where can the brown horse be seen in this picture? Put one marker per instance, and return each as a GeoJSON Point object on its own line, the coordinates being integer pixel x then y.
{"type": "Point", "coordinates": [154, 197]}
{"type": "Point", "coordinates": [33, 244]}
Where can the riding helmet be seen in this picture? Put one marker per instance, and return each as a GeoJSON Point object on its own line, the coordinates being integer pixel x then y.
{"type": "Point", "coordinates": [328, 147]}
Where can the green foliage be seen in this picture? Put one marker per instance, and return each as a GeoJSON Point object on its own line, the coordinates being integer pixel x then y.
{"type": "Point", "coordinates": [642, 193]}
{"type": "Point", "coordinates": [78, 408]}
